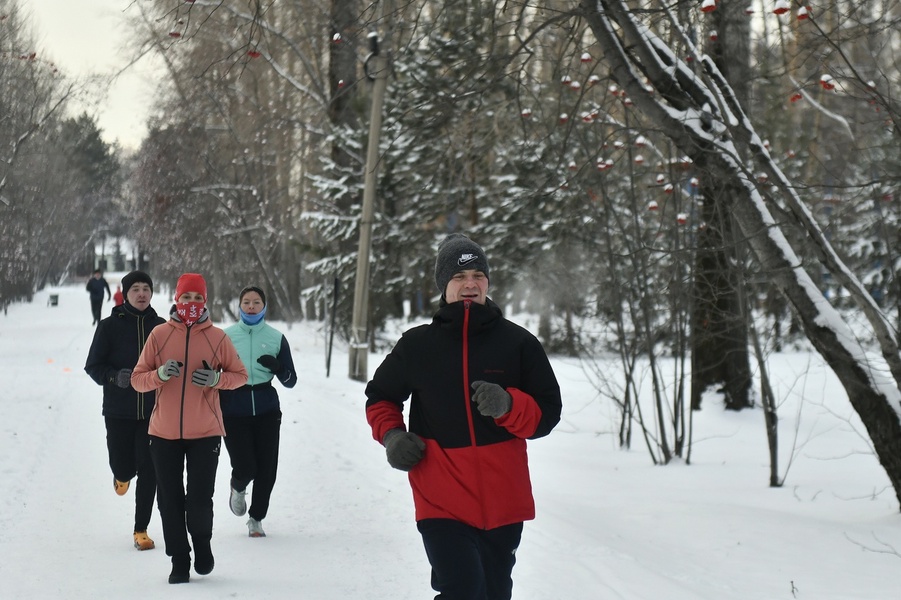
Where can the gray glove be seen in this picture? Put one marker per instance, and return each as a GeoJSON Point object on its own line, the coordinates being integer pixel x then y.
{"type": "Point", "coordinates": [123, 378]}
{"type": "Point", "coordinates": [172, 368]}
{"type": "Point", "coordinates": [491, 399]}
{"type": "Point", "coordinates": [205, 377]}
{"type": "Point", "coordinates": [404, 449]}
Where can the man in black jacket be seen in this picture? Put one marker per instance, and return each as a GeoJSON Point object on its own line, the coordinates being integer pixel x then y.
{"type": "Point", "coordinates": [479, 387]}
{"type": "Point", "coordinates": [118, 341]}
{"type": "Point", "coordinates": [95, 287]}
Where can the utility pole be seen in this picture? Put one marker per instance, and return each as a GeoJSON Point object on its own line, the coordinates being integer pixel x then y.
{"type": "Point", "coordinates": [376, 70]}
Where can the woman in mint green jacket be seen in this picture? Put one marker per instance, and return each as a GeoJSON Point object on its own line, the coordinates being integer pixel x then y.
{"type": "Point", "coordinates": [252, 413]}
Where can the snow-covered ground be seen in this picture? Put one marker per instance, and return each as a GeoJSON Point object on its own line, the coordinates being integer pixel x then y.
{"type": "Point", "coordinates": [610, 525]}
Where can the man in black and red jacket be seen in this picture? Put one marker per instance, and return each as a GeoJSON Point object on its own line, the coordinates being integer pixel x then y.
{"type": "Point", "coordinates": [479, 387]}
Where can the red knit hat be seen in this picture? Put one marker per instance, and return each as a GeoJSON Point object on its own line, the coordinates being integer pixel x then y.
{"type": "Point", "coordinates": [190, 282]}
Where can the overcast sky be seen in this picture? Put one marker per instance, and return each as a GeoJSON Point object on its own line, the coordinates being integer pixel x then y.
{"type": "Point", "coordinates": [86, 37]}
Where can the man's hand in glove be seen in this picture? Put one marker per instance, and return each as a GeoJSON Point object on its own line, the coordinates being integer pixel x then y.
{"type": "Point", "coordinates": [404, 449]}
{"type": "Point", "coordinates": [205, 377]}
{"type": "Point", "coordinates": [123, 378]}
{"type": "Point", "coordinates": [172, 368]}
{"type": "Point", "coordinates": [491, 399]}
{"type": "Point", "coordinates": [270, 362]}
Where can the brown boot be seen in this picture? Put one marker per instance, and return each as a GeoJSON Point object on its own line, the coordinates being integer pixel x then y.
{"type": "Point", "coordinates": [120, 486]}
{"type": "Point", "coordinates": [142, 542]}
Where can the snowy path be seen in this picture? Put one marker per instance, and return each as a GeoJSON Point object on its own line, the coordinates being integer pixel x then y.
{"type": "Point", "coordinates": [610, 526]}
{"type": "Point", "coordinates": [65, 534]}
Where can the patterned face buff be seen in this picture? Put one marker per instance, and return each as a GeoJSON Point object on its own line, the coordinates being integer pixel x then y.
{"type": "Point", "coordinates": [189, 312]}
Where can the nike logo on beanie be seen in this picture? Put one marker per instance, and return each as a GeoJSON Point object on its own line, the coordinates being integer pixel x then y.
{"type": "Point", "coordinates": [458, 253]}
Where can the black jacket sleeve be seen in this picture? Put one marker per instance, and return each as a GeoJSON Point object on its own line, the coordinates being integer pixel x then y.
{"type": "Point", "coordinates": [97, 365]}
{"type": "Point", "coordinates": [287, 375]}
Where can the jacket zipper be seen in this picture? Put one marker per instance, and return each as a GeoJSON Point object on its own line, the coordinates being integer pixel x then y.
{"type": "Point", "coordinates": [140, 406]}
{"type": "Point", "coordinates": [184, 384]}
{"type": "Point", "coordinates": [466, 390]}
{"type": "Point", "coordinates": [253, 399]}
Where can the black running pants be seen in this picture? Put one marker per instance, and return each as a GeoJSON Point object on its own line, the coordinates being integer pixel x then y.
{"type": "Point", "coordinates": [252, 444]}
{"type": "Point", "coordinates": [470, 563]}
{"type": "Point", "coordinates": [184, 510]}
{"type": "Point", "coordinates": [129, 456]}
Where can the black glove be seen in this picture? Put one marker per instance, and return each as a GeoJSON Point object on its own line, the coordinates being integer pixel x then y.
{"type": "Point", "coordinates": [491, 399]}
{"type": "Point", "coordinates": [172, 368]}
{"type": "Point", "coordinates": [205, 377]}
{"type": "Point", "coordinates": [404, 449]}
{"type": "Point", "coordinates": [123, 378]}
{"type": "Point", "coordinates": [270, 362]}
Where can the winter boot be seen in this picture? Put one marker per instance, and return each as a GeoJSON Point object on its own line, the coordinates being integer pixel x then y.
{"type": "Point", "coordinates": [203, 557]}
{"type": "Point", "coordinates": [237, 502]}
{"type": "Point", "coordinates": [120, 486]}
{"type": "Point", "coordinates": [181, 569]}
{"type": "Point", "coordinates": [142, 542]}
{"type": "Point", "coordinates": [255, 528]}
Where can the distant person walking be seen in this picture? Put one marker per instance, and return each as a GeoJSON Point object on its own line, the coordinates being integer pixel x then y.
{"type": "Point", "coordinates": [118, 297]}
{"type": "Point", "coordinates": [118, 341]}
{"type": "Point", "coordinates": [479, 387]}
{"type": "Point", "coordinates": [252, 413]}
{"type": "Point", "coordinates": [187, 360]}
{"type": "Point", "coordinates": [95, 287]}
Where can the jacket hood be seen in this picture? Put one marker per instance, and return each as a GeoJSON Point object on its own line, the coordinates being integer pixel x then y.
{"type": "Point", "coordinates": [127, 309]}
{"type": "Point", "coordinates": [247, 327]}
{"type": "Point", "coordinates": [481, 316]}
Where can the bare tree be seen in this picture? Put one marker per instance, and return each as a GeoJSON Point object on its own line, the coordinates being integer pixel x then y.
{"type": "Point", "coordinates": [699, 111]}
{"type": "Point", "coordinates": [249, 83]}
{"type": "Point", "coordinates": [35, 203]}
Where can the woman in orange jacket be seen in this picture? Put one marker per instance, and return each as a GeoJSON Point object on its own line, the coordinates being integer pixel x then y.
{"type": "Point", "coordinates": [187, 360]}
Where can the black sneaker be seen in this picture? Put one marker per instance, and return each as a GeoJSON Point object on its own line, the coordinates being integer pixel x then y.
{"type": "Point", "coordinates": [181, 569]}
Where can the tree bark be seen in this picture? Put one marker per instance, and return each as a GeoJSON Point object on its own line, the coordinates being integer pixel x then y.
{"type": "Point", "coordinates": [719, 333]}
{"type": "Point", "coordinates": [719, 340]}
{"type": "Point", "coordinates": [342, 77]}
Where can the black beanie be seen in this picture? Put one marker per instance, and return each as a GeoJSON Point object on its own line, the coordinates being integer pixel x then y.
{"type": "Point", "coordinates": [252, 288]}
{"type": "Point", "coordinates": [136, 277]}
{"type": "Point", "coordinates": [458, 253]}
